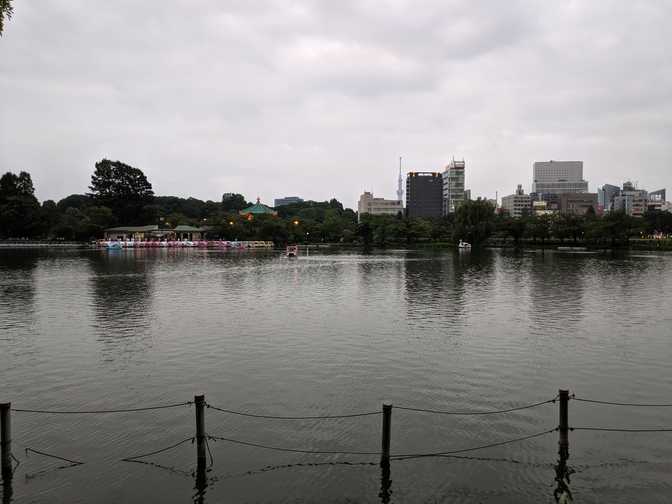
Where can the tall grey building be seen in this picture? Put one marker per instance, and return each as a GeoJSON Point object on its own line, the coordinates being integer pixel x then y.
{"type": "Point", "coordinates": [424, 194]}
{"type": "Point", "coordinates": [453, 186]}
{"type": "Point", "coordinates": [558, 177]}
{"type": "Point", "coordinates": [606, 195]}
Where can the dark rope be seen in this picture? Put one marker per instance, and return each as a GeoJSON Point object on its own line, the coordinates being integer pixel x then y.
{"type": "Point", "coordinates": [18, 463]}
{"type": "Point", "coordinates": [609, 403]}
{"type": "Point", "coordinates": [215, 479]}
{"type": "Point", "coordinates": [394, 457]}
{"type": "Point", "coordinates": [207, 445]}
{"type": "Point", "coordinates": [135, 457]}
{"type": "Point", "coordinates": [608, 429]}
{"type": "Point", "coordinates": [473, 413]}
{"type": "Point", "coordinates": [74, 462]}
{"type": "Point", "coordinates": [291, 450]}
{"type": "Point", "coordinates": [275, 417]}
{"type": "Point", "coordinates": [476, 448]}
{"type": "Point", "coordinates": [127, 410]}
{"type": "Point", "coordinates": [173, 470]}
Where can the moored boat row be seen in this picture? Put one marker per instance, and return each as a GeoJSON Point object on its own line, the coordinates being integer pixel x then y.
{"type": "Point", "coordinates": [222, 244]}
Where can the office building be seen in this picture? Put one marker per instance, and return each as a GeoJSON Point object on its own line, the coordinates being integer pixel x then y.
{"type": "Point", "coordinates": [287, 200]}
{"type": "Point", "coordinates": [606, 195]}
{"type": "Point", "coordinates": [632, 201]}
{"type": "Point", "coordinates": [377, 206]}
{"type": "Point", "coordinates": [518, 204]}
{"type": "Point", "coordinates": [578, 203]}
{"type": "Point", "coordinates": [657, 199]}
{"type": "Point", "coordinates": [558, 177]}
{"type": "Point", "coordinates": [424, 194]}
{"type": "Point", "coordinates": [453, 186]}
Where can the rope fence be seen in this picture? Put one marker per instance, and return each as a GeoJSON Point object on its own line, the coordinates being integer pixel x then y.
{"type": "Point", "coordinates": [103, 412]}
{"type": "Point", "coordinates": [277, 417]}
{"type": "Point", "coordinates": [202, 437]}
{"type": "Point", "coordinates": [478, 413]}
{"type": "Point", "coordinates": [610, 403]}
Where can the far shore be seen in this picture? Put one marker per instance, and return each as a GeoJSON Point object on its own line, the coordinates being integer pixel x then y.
{"type": "Point", "coordinates": [633, 244]}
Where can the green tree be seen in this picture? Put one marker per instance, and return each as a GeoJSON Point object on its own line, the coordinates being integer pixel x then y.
{"type": "Point", "coordinates": [79, 201]}
{"type": "Point", "coordinates": [233, 202]}
{"type": "Point", "coordinates": [515, 228]}
{"type": "Point", "coordinates": [6, 11]}
{"type": "Point", "coordinates": [539, 228]}
{"type": "Point", "coordinates": [19, 208]}
{"type": "Point", "coordinates": [474, 221]}
{"type": "Point", "coordinates": [123, 189]}
{"type": "Point", "coordinates": [49, 217]}
{"type": "Point", "coordinates": [99, 216]}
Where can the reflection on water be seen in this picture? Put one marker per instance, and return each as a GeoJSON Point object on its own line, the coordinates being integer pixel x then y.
{"type": "Point", "coordinates": [557, 293]}
{"type": "Point", "coordinates": [334, 333]}
{"type": "Point", "coordinates": [122, 290]}
{"type": "Point", "coordinates": [17, 291]}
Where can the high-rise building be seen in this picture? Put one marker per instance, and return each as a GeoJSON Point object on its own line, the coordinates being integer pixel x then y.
{"type": "Point", "coordinates": [453, 186]}
{"type": "Point", "coordinates": [377, 206]}
{"type": "Point", "coordinates": [606, 195]}
{"type": "Point", "coordinates": [400, 185]}
{"type": "Point", "coordinates": [518, 204]}
{"type": "Point", "coordinates": [287, 200]}
{"type": "Point", "coordinates": [424, 194]}
{"type": "Point", "coordinates": [558, 177]}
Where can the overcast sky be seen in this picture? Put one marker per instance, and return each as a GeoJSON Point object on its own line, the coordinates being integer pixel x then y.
{"type": "Point", "coordinates": [319, 99]}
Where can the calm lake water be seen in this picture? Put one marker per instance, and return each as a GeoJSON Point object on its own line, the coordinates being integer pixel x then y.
{"type": "Point", "coordinates": [336, 333]}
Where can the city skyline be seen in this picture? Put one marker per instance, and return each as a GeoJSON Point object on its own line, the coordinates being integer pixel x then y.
{"type": "Point", "coordinates": [320, 100]}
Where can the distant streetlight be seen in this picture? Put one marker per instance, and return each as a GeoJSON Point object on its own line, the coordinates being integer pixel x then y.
{"type": "Point", "coordinates": [230, 223]}
{"type": "Point", "coordinates": [296, 222]}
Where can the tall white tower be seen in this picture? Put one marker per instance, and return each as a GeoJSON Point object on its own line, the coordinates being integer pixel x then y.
{"type": "Point", "coordinates": [400, 186]}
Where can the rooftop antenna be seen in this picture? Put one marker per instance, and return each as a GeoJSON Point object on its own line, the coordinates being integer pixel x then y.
{"type": "Point", "coordinates": [400, 190]}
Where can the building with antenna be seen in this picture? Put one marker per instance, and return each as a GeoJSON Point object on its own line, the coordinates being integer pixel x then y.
{"type": "Point", "coordinates": [400, 185]}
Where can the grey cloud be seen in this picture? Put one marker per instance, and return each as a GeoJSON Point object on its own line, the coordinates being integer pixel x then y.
{"type": "Point", "coordinates": [320, 98]}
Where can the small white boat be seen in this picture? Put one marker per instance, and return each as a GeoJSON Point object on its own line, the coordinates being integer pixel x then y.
{"type": "Point", "coordinates": [464, 245]}
{"type": "Point", "coordinates": [292, 251]}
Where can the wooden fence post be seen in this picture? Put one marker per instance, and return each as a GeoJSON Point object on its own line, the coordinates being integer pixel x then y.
{"type": "Point", "coordinates": [564, 423]}
{"type": "Point", "coordinates": [6, 441]}
{"type": "Point", "coordinates": [387, 432]}
{"type": "Point", "coordinates": [201, 483]}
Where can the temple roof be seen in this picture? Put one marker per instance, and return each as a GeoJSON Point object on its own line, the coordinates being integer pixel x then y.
{"type": "Point", "coordinates": [257, 209]}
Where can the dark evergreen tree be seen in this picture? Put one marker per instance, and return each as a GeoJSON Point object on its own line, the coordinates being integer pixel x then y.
{"type": "Point", "coordinates": [123, 189]}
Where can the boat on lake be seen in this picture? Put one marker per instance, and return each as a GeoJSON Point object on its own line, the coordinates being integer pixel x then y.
{"type": "Point", "coordinates": [464, 245]}
{"type": "Point", "coordinates": [292, 251]}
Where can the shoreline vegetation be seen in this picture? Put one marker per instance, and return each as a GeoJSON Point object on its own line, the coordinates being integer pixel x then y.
{"type": "Point", "coordinates": [120, 195]}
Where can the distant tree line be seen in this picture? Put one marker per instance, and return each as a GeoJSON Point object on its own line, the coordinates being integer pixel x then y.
{"type": "Point", "coordinates": [120, 194]}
